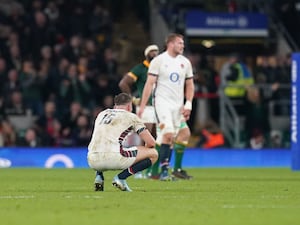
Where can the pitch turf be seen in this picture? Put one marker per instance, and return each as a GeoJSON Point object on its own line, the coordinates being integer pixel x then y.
{"type": "Point", "coordinates": [213, 196]}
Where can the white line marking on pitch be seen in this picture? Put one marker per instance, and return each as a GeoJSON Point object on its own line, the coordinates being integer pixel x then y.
{"type": "Point", "coordinates": [85, 196]}
{"type": "Point", "coordinates": [261, 206]}
{"type": "Point", "coordinates": [16, 196]}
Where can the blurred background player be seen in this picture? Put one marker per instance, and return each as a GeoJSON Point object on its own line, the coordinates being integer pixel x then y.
{"type": "Point", "coordinates": [172, 75]}
{"type": "Point", "coordinates": [106, 150]}
{"type": "Point", "coordinates": [179, 146]}
{"type": "Point", "coordinates": [135, 79]}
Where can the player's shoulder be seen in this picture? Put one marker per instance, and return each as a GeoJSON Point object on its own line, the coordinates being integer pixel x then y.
{"type": "Point", "coordinates": [161, 56]}
{"type": "Point", "coordinates": [103, 112]}
{"type": "Point", "coordinates": [136, 69]}
{"type": "Point", "coordinates": [183, 58]}
{"type": "Point", "coordinates": [130, 116]}
{"type": "Point", "coordinates": [138, 66]}
{"type": "Point", "coordinates": [158, 59]}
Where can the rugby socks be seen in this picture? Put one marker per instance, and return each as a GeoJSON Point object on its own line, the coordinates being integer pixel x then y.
{"type": "Point", "coordinates": [100, 174]}
{"type": "Point", "coordinates": [139, 166]}
{"type": "Point", "coordinates": [179, 151]}
{"type": "Point", "coordinates": [165, 153]}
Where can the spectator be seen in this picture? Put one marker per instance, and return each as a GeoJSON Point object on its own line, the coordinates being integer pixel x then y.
{"type": "Point", "coordinates": [107, 87]}
{"type": "Point", "coordinates": [40, 34]}
{"type": "Point", "coordinates": [2, 109]}
{"type": "Point", "coordinates": [46, 125]}
{"type": "Point", "coordinates": [227, 69]}
{"type": "Point", "coordinates": [257, 123]}
{"type": "Point", "coordinates": [15, 57]}
{"type": "Point", "coordinates": [30, 139]}
{"type": "Point", "coordinates": [100, 25]}
{"type": "Point", "coordinates": [57, 73]}
{"type": "Point", "coordinates": [42, 76]}
{"type": "Point", "coordinates": [73, 49]}
{"type": "Point", "coordinates": [46, 55]}
{"type": "Point", "coordinates": [83, 131]}
{"type": "Point", "coordinates": [12, 84]}
{"type": "Point", "coordinates": [283, 94]}
{"type": "Point", "coordinates": [210, 80]}
{"type": "Point", "coordinates": [16, 105]}
{"type": "Point", "coordinates": [7, 134]}
{"type": "Point", "coordinates": [52, 12]}
{"type": "Point", "coordinates": [57, 138]}
{"type": "Point", "coordinates": [108, 101]}
{"type": "Point", "coordinates": [70, 118]}
{"type": "Point", "coordinates": [3, 74]}
{"type": "Point", "coordinates": [109, 65]}
{"type": "Point", "coordinates": [74, 87]}
{"type": "Point", "coordinates": [237, 76]}
{"type": "Point", "coordinates": [78, 21]}
{"type": "Point", "coordinates": [264, 71]}
{"type": "Point", "coordinates": [91, 51]}
{"type": "Point", "coordinates": [32, 85]}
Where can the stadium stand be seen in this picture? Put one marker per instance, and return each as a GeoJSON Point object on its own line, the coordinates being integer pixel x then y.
{"type": "Point", "coordinates": [71, 56]}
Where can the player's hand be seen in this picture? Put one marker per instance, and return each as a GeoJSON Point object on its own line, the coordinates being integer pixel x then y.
{"type": "Point", "coordinates": [186, 114]}
{"type": "Point", "coordinates": [136, 101]}
{"type": "Point", "coordinates": [140, 112]}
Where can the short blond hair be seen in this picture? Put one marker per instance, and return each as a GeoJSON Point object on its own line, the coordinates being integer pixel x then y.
{"type": "Point", "coordinates": [171, 37]}
{"type": "Point", "coordinates": [122, 99]}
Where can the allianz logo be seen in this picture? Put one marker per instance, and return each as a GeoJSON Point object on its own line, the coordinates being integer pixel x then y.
{"type": "Point", "coordinates": [294, 108]}
{"type": "Point", "coordinates": [240, 21]}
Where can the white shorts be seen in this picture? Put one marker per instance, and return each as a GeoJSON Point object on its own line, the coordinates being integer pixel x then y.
{"type": "Point", "coordinates": [159, 134]}
{"type": "Point", "coordinates": [169, 117]}
{"type": "Point", "coordinates": [103, 161]}
{"type": "Point", "coordinates": [148, 115]}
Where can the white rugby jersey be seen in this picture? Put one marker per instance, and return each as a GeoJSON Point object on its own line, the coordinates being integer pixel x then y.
{"type": "Point", "coordinates": [111, 128]}
{"type": "Point", "coordinates": [172, 73]}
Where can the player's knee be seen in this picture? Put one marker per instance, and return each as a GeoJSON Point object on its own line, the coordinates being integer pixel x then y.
{"type": "Point", "coordinates": [167, 138]}
{"type": "Point", "coordinates": [154, 155]}
{"type": "Point", "coordinates": [184, 135]}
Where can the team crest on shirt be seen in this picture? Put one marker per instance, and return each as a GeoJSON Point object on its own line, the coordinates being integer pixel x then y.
{"type": "Point", "coordinates": [182, 66]}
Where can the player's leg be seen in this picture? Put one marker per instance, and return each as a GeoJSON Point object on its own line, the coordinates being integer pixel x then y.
{"type": "Point", "coordinates": [93, 159]}
{"type": "Point", "coordinates": [165, 136]}
{"type": "Point", "coordinates": [149, 120]}
{"type": "Point", "coordinates": [165, 116]}
{"type": "Point", "coordinates": [153, 171]}
{"type": "Point", "coordinates": [144, 158]}
{"type": "Point", "coordinates": [180, 144]}
{"type": "Point", "coordinates": [99, 181]}
{"type": "Point", "coordinates": [135, 140]}
{"type": "Point", "coordinates": [165, 154]}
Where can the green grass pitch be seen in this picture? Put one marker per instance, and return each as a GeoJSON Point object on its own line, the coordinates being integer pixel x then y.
{"type": "Point", "coordinates": [236, 196]}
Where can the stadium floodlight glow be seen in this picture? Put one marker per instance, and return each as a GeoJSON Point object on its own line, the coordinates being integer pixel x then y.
{"type": "Point", "coordinates": [208, 43]}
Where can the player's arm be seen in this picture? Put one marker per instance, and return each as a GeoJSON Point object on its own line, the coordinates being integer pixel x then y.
{"type": "Point", "coordinates": [151, 80]}
{"type": "Point", "coordinates": [147, 138]}
{"type": "Point", "coordinates": [189, 95]}
{"type": "Point", "coordinates": [126, 83]}
{"type": "Point", "coordinates": [189, 89]}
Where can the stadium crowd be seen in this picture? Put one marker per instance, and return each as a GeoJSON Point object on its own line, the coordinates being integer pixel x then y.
{"type": "Point", "coordinates": [57, 70]}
